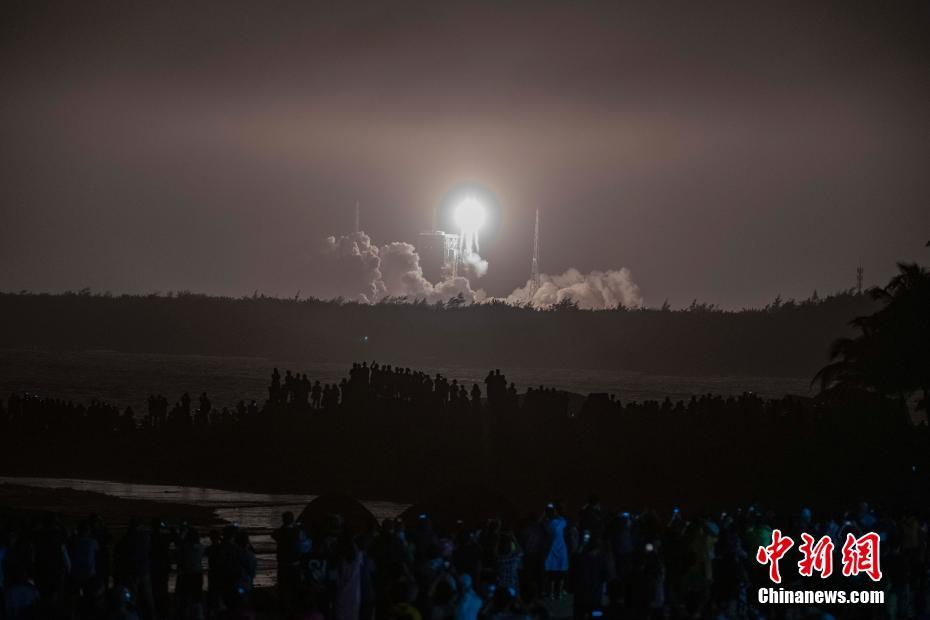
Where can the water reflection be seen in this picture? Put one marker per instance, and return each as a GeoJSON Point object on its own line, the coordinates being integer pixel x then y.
{"type": "Point", "coordinates": [259, 513]}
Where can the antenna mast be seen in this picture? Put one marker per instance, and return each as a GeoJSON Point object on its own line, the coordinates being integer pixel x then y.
{"type": "Point", "coordinates": [356, 217]}
{"type": "Point", "coordinates": [534, 270]}
{"type": "Point", "coordinates": [859, 272]}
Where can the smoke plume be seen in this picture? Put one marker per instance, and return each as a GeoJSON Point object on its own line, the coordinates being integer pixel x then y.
{"type": "Point", "coordinates": [477, 264]}
{"type": "Point", "coordinates": [350, 266]}
{"type": "Point", "coordinates": [597, 290]}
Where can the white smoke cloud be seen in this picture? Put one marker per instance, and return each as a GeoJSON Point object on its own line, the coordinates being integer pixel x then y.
{"type": "Point", "coordinates": [597, 290]}
{"type": "Point", "coordinates": [477, 264]}
{"type": "Point", "coordinates": [401, 271]}
{"type": "Point", "coordinates": [451, 287]}
{"type": "Point", "coordinates": [350, 266]}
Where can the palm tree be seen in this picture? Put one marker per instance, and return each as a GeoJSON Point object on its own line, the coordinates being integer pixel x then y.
{"type": "Point", "coordinates": [891, 354]}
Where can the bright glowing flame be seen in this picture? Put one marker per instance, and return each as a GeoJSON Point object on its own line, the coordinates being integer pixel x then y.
{"type": "Point", "coordinates": [469, 215]}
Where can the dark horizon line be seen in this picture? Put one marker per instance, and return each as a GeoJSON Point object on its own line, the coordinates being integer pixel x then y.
{"type": "Point", "coordinates": [696, 305]}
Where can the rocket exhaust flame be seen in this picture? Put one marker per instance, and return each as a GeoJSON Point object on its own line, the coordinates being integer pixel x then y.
{"type": "Point", "coordinates": [470, 217]}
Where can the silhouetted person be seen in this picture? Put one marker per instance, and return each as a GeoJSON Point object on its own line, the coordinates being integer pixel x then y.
{"type": "Point", "coordinates": [134, 561]}
{"type": "Point", "coordinates": [190, 575]}
{"type": "Point", "coordinates": [556, 562]}
{"type": "Point", "coordinates": [83, 549]}
{"type": "Point", "coordinates": [316, 395]}
{"type": "Point", "coordinates": [52, 562]}
{"type": "Point", "coordinates": [203, 413]}
{"type": "Point", "coordinates": [287, 554]}
{"type": "Point", "coordinates": [589, 576]}
{"type": "Point", "coordinates": [160, 553]}
{"type": "Point", "coordinates": [274, 390]}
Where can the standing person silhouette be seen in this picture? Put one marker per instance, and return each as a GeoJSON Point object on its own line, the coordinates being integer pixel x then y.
{"type": "Point", "coordinates": [556, 563]}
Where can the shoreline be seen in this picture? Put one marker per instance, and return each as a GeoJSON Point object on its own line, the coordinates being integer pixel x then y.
{"type": "Point", "coordinates": [274, 487]}
{"type": "Point", "coordinates": [22, 500]}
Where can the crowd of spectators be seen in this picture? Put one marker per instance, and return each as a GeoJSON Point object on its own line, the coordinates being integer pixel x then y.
{"type": "Point", "coordinates": [608, 562]}
{"type": "Point", "coordinates": [49, 569]}
{"type": "Point", "coordinates": [594, 562]}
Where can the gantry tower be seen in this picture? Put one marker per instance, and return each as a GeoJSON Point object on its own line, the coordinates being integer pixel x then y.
{"type": "Point", "coordinates": [534, 269]}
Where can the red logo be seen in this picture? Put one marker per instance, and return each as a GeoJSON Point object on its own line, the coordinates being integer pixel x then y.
{"type": "Point", "coordinates": [817, 556]}
{"type": "Point", "coordinates": [773, 553]}
{"type": "Point", "coordinates": [860, 555]}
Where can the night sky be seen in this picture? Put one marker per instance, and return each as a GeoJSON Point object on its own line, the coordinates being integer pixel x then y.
{"type": "Point", "coordinates": [726, 154]}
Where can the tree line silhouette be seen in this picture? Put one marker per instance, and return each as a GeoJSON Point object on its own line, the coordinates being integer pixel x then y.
{"type": "Point", "coordinates": [784, 338]}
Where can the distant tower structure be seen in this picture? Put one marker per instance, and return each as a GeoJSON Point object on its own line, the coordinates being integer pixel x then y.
{"type": "Point", "coordinates": [357, 229]}
{"type": "Point", "coordinates": [534, 269]}
{"type": "Point", "coordinates": [859, 273]}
